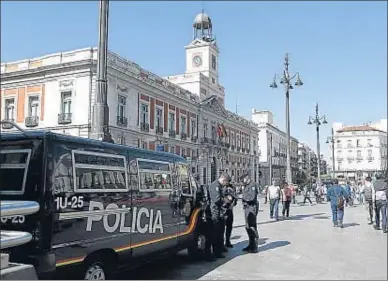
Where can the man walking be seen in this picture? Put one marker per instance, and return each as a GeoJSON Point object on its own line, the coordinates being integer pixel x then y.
{"type": "Point", "coordinates": [251, 208]}
{"type": "Point", "coordinates": [368, 197]}
{"type": "Point", "coordinates": [380, 190]}
{"type": "Point", "coordinates": [216, 202]}
{"type": "Point", "coordinates": [307, 195]}
{"type": "Point", "coordinates": [273, 195]}
{"type": "Point", "coordinates": [337, 195]}
{"type": "Point", "coordinates": [286, 197]}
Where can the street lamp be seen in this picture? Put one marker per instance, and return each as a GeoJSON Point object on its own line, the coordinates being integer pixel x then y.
{"type": "Point", "coordinates": [286, 80]}
{"type": "Point", "coordinates": [100, 120]}
{"type": "Point", "coordinates": [318, 121]}
{"type": "Point", "coordinates": [332, 140]}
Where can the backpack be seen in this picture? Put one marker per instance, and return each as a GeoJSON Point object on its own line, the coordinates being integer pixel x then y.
{"type": "Point", "coordinates": [340, 200]}
{"type": "Point", "coordinates": [368, 193]}
{"type": "Point", "coordinates": [288, 193]}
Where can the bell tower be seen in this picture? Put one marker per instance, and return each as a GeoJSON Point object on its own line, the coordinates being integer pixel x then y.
{"type": "Point", "coordinates": [202, 53]}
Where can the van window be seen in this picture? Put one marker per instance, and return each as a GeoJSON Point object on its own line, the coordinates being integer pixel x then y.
{"type": "Point", "coordinates": [13, 170]}
{"type": "Point", "coordinates": [154, 175]}
{"type": "Point", "coordinates": [99, 172]}
{"type": "Point", "coordinates": [183, 175]}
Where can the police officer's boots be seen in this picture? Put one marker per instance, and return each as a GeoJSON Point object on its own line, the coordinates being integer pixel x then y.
{"type": "Point", "coordinates": [228, 244]}
{"type": "Point", "coordinates": [255, 246]}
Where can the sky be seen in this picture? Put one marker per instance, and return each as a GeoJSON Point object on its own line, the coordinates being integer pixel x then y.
{"type": "Point", "coordinates": [339, 49]}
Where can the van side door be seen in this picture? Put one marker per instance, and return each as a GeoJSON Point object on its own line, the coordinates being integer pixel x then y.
{"type": "Point", "coordinates": [155, 225]}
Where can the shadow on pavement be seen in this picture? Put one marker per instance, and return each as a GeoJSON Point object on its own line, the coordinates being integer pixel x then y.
{"type": "Point", "coordinates": [352, 224]}
{"type": "Point", "coordinates": [182, 267]}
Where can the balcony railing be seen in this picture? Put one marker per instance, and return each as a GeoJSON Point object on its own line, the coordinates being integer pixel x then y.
{"type": "Point", "coordinates": [350, 157]}
{"type": "Point", "coordinates": [204, 140]}
{"type": "Point", "coordinates": [183, 136]}
{"type": "Point", "coordinates": [32, 121]}
{"type": "Point", "coordinates": [370, 158]}
{"type": "Point", "coordinates": [159, 130]}
{"type": "Point", "coordinates": [172, 133]}
{"type": "Point", "coordinates": [64, 118]}
{"type": "Point", "coordinates": [122, 121]}
{"type": "Point", "coordinates": [194, 138]}
{"type": "Point", "coordinates": [359, 158]}
{"type": "Point", "coordinates": [145, 127]}
{"type": "Point", "coordinates": [7, 125]}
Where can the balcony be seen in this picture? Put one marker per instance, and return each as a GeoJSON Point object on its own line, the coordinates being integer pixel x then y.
{"type": "Point", "coordinates": [238, 148]}
{"type": "Point", "coordinates": [122, 121]}
{"type": "Point", "coordinates": [6, 126]}
{"type": "Point", "coordinates": [64, 118]}
{"type": "Point", "coordinates": [31, 121]}
{"type": "Point", "coordinates": [359, 158]}
{"type": "Point", "coordinates": [183, 136]}
{"type": "Point", "coordinates": [144, 127]}
{"type": "Point", "coordinates": [350, 157]}
{"type": "Point", "coordinates": [340, 158]}
{"type": "Point", "coordinates": [204, 140]}
{"type": "Point", "coordinates": [194, 138]}
{"type": "Point", "coordinates": [172, 133]}
{"type": "Point", "coordinates": [370, 158]}
{"type": "Point", "coordinates": [159, 130]}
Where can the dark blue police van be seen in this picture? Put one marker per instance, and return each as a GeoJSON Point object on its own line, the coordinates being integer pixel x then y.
{"type": "Point", "coordinates": [103, 207]}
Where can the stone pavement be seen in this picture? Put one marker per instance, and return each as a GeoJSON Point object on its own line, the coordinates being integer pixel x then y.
{"type": "Point", "coordinates": [304, 247]}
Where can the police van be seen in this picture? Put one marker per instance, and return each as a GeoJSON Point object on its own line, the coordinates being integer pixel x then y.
{"type": "Point", "coordinates": [103, 207]}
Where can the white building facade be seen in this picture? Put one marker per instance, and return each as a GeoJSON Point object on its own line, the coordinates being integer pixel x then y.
{"type": "Point", "coordinates": [359, 151]}
{"type": "Point", "coordinates": [57, 92]}
{"type": "Point", "coordinates": [273, 149]}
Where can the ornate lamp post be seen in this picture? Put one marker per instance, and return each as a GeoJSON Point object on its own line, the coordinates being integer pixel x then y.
{"type": "Point", "coordinates": [332, 141]}
{"type": "Point", "coordinates": [286, 80]}
{"type": "Point", "coordinates": [318, 121]}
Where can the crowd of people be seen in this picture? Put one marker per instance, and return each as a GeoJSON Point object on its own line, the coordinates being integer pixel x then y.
{"type": "Point", "coordinates": [221, 197]}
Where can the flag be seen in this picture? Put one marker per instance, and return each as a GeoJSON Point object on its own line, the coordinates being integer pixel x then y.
{"type": "Point", "coordinates": [225, 134]}
{"type": "Point", "coordinates": [219, 131]}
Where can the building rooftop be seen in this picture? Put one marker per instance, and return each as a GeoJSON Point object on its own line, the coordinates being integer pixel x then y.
{"type": "Point", "coordinates": [363, 128]}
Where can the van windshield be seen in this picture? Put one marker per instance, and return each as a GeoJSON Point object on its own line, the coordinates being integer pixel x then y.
{"type": "Point", "coordinates": [13, 170]}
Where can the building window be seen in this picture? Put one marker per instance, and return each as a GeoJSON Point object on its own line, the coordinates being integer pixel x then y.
{"type": "Point", "coordinates": [144, 113]}
{"type": "Point", "coordinates": [171, 121]}
{"type": "Point", "coordinates": [10, 109]}
{"type": "Point", "coordinates": [183, 152]}
{"type": "Point", "coordinates": [205, 130]}
{"type": "Point", "coordinates": [203, 91]}
{"type": "Point", "coordinates": [213, 80]}
{"type": "Point", "coordinates": [369, 152]}
{"type": "Point", "coordinates": [214, 133]}
{"type": "Point", "coordinates": [369, 143]}
{"type": "Point", "coordinates": [358, 153]}
{"type": "Point", "coordinates": [358, 143]}
{"type": "Point", "coordinates": [121, 104]}
{"type": "Point", "coordinates": [172, 149]}
{"type": "Point", "coordinates": [183, 125]}
{"type": "Point", "coordinates": [66, 102]}
{"type": "Point", "coordinates": [159, 117]}
{"type": "Point", "coordinates": [214, 62]}
{"type": "Point", "coordinates": [193, 128]}
{"type": "Point", "coordinates": [33, 106]}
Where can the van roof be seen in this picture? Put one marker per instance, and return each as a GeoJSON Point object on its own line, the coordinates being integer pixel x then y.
{"type": "Point", "coordinates": [48, 134]}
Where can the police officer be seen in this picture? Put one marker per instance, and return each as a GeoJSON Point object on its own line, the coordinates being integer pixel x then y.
{"type": "Point", "coordinates": [216, 204]}
{"type": "Point", "coordinates": [251, 208]}
{"type": "Point", "coordinates": [230, 200]}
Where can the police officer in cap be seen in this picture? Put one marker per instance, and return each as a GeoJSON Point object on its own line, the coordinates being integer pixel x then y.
{"type": "Point", "coordinates": [251, 208]}
{"type": "Point", "coordinates": [230, 200]}
{"type": "Point", "coordinates": [216, 210]}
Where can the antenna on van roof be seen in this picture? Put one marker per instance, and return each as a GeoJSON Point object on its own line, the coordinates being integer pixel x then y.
{"type": "Point", "coordinates": [12, 124]}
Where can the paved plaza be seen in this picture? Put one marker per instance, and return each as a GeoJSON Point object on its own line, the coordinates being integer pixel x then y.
{"type": "Point", "coordinates": [304, 247]}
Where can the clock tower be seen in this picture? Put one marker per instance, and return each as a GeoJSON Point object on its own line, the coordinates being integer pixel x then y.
{"type": "Point", "coordinates": [202, 53]}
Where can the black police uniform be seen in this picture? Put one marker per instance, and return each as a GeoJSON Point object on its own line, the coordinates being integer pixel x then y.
{"type": "Point", "coordinates": [251, 208]}
{"type": "Point", "coordinates": [216, 202]}
{"type": "Point", "coordinates": [230, 200]}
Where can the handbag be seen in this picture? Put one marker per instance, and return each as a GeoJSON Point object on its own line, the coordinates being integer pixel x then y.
{"type": "Point", "coordinates": [340, 201]}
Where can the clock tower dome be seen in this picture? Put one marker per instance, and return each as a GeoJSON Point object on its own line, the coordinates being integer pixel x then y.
{"type": "Point", "coordinates": [202, 52]}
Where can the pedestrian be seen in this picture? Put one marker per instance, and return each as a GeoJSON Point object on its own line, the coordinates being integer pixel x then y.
{"type": "Point", "coordinates": [251, 209]}
{"type": "Point", "coordinates": [337, 196]}
{"type": "Point", "coordinates": [307, 195]}
{"type": "Point", "coordinates": [361, 193]}
{"type": "Point", "coordinates": [293, 191]}
{"type": "Point", "coordinates": [216, 203]}
{"type": "Point", "coordinates": [380, 190]}
{"type": "Point", "coordinates": [286, 197]}
{"type": "Point", "coordinates": [348, 190]}
{"type": "Point", "coordinates": [266, 194]}
{"type": "Point", "coordinates": [273, 196]}
{"type": "Point", "coordinates": [230, 201]}
{"type": "Point", "coordinates": [368, 196]}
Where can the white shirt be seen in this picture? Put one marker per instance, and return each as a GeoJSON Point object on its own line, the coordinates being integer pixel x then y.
{"type": "Point", "coordinates": [273, 192]}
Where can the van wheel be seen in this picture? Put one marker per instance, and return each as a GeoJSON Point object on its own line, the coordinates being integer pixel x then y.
{"type": "Point", "coordinates": [96, 270]}
{"type": "Point", "coordinates": [197, 248]}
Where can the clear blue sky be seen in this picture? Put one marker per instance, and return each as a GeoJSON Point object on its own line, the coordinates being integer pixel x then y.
{"type": "Point", "coordinates": [340, 49]}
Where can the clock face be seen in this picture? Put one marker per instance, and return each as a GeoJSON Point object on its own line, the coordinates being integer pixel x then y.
{"type": "Point", "coordinates": [197, 60]}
